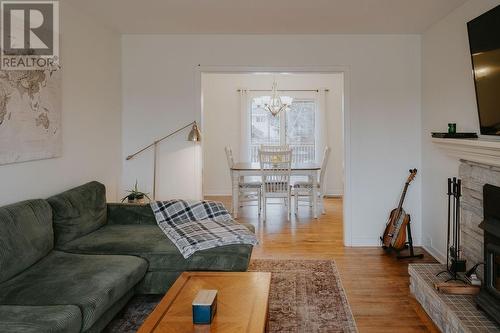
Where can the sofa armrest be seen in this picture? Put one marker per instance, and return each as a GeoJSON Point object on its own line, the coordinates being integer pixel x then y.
{"type": "Point", "coordinates": [123, 213]}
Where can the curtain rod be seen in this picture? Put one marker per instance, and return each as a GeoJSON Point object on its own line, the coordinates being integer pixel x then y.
{"type": "Point", "coordinates": [306, 90]}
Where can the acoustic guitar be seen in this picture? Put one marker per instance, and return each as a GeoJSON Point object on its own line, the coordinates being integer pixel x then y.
{"type": "Point", "coordinates": [395, 229]}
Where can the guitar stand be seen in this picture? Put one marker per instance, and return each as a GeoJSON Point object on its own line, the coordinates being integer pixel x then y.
{"type": "Point", "coordinates": [409, 245]}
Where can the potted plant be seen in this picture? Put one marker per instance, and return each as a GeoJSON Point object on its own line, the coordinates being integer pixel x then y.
{"type": "Point", "coordinates": [136, 196]}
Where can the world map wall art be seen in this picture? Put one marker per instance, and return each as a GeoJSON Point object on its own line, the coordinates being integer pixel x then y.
{"type": "Point", "coordinates": [30, 115]}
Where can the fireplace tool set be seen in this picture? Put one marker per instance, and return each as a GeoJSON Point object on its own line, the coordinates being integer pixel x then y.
{"type": "Point", "coordinates": [454, 262]}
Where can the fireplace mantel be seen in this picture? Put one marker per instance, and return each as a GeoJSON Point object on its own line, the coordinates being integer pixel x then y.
{"type": "Point", "coordinates": [475, 150]}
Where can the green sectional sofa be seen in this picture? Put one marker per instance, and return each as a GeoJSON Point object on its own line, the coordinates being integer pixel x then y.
{"type": "Point", "coordinates": [71, 262]}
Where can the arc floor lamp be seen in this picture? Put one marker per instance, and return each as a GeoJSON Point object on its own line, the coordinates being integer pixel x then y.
{"type": "Point", "coordinates": [194, 135]}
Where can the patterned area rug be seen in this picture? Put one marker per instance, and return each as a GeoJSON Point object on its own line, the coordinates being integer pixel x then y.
{"type": "Point", "coordinates": [134, 314]}
{"type": "Point", "coordinates": [306, 297]}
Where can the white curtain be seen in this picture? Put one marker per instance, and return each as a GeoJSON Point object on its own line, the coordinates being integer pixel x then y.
{"type": "Point", "coordinates": [321, 124]}
{"type": "Point", "coordinates": [244, 125]}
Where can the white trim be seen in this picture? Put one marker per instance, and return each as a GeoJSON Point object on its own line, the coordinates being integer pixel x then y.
{"type": "Point", "coordinates": [345, 70]}
{"type": "Point", "coordinates": [366, 241]}
{"type": "Point", "coordinates": [375, 242]}
{"type": "Point", "coordinates": [347, 203]}
{"type": "Point", "coordinates": [218, 193]}
{"type": "Point", "coordinates": [335, 192]}
{"type": "Point", "coordinates": [478, 150]}
{"type": "Point", "coordinates": [435, 253]}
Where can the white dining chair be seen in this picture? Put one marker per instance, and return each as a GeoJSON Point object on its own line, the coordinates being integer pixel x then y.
{"type": "Point", "coordinates": [248, 191]}
{"type": "Point", "coordinates": [274, 147]}
{"type": "Point", "coordinates": [275, 168]}
{"type": "Point", "coordinates": [304, 189]}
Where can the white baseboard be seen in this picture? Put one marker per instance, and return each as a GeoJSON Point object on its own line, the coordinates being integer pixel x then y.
{"type": "Point", "coordinates": [374, 241]}
{"type": "Point", "coordinates": [334, 196]}
{"type": "Point", "coordinates": [435, 253]}
{"type": "Point", "coordinates": [334, 192]}
{"type": "Point", "coordinates": [365, 241]}
{"type": "Point", "coordinates": [217, 193]}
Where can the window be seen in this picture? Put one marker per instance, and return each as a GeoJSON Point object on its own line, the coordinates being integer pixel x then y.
{"type": "Point", "coordinates": [295, 127]}
{"type": "Point", "coordinates": [265, 129]}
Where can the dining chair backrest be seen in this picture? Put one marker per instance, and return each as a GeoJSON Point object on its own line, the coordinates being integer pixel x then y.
{"type": "Point", "coordinates": [274, 147]}
{"type": "Point", "coordinates": [229, 156]}
{"type": "Point", "coordinates": [324, 162]}
{"type": "Point", "coordinates": [275, 167]}
{"type": "Point", "coordinates": [302, 153]}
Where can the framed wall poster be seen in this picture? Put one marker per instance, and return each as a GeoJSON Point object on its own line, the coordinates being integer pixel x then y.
{"type": "Point", "coordinates": [30, 115]}
{"type": "Point", "coordinates": [30, 81]}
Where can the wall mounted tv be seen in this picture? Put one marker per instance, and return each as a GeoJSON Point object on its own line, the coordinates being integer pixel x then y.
{"type": "Point", "coordinates": [484, 41]}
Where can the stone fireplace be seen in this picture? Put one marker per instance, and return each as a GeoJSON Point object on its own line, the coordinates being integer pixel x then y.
{"type": "Point", "coordinates": [489, 297]}
{"type": "Point", "coordinates": [474, 176]}
{"type": "Point", "coordinates": [479, 166]}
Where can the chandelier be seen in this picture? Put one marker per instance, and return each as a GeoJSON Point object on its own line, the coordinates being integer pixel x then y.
{"type": "Point", "coordinates": [274, 103]}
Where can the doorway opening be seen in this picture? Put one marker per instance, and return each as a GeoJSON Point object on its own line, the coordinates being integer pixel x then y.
{"type": "Point", "coordinates": [233, 116]}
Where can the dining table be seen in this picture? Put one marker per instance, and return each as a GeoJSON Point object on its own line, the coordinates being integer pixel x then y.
{"type": "Point", "coordinates": [244, 169]}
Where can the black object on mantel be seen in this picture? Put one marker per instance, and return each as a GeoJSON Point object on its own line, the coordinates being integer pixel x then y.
{"type": "Point", "coordinates": [446, 135]}
{"type": "Point", "coordinates": [488, 298]}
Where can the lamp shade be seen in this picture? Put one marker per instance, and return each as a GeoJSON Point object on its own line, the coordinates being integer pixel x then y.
{"type": "Point", "coordinates": [194, 134]}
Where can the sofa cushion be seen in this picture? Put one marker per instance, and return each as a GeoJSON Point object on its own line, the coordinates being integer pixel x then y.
{"type": "Point", "coordinates": [26, 236]}
{"type": "Point", "coordinates": [78, 211]}
{"type": "Point", "coordinates": [93, 283]}
{"type": "Point", "coordinates": [40, 319]}
{"type": "Point", "coordinates": [150, 243]}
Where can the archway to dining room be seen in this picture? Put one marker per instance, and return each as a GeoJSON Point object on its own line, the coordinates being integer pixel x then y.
{"type": "Point", "coordinates": [236, 122]}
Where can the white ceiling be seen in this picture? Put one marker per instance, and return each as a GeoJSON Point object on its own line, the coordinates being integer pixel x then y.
{"type": "Point", "coordinates": [268, 16]}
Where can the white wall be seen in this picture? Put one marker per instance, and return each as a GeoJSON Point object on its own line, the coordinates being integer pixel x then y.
{"type": "Point", "coordinates": [447, 96]}
{"type": "Point", "coordinates": [160, 94]}
{"type": "Point", "coordinates": [91, 120]}
{"type": "Point", "coordinates": [221, 105]}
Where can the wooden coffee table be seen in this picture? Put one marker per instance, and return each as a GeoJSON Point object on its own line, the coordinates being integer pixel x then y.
{"type": "Point", "coordinates": [242, 302]}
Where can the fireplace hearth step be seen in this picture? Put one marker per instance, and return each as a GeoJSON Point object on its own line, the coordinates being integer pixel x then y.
{"type": "Point", "coordinates": [456, 288]}
{"type": "Point", "coordinates": [450, 313]}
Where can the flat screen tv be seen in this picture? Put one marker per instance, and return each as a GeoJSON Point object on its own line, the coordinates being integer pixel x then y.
{"type": "Point", "coordinates": [484, 41]}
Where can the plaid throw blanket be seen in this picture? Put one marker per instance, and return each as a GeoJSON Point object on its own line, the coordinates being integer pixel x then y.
{"type": "Point", "coordinates": [199, 225]}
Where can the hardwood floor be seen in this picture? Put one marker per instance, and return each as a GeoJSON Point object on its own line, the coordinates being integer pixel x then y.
{"type": "Point", "coordinates": [377, 284]}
